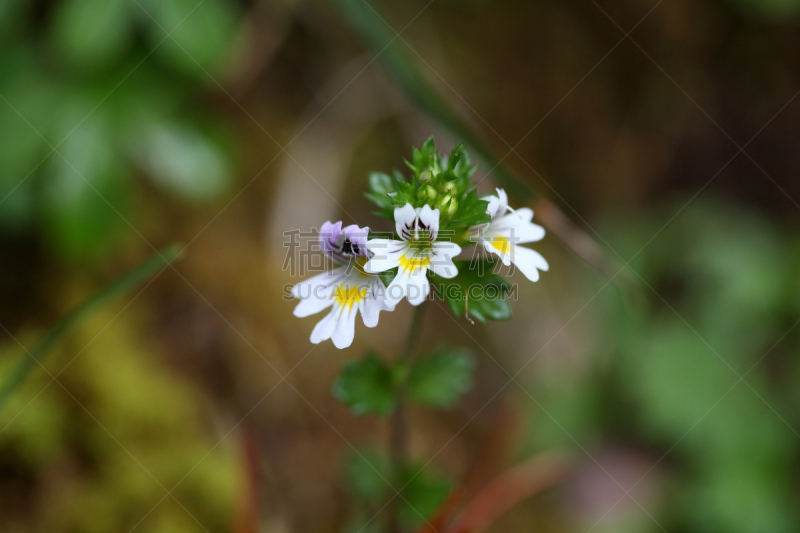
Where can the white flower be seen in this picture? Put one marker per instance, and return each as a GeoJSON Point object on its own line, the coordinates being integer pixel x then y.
{"type": "Point", "coordinates": [414, 255]}
{"type": "Point", "coordinates": [506, 230]}
{"type": "Point", "coordinates": [347, 288]}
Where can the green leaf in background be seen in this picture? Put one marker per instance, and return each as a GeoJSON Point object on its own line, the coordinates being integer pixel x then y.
{"type": "Point", "coordinates": [92, 32]}
{"type": "Point", "coordinates": [381, 183]}
{"type": "Point", "coordinates": [86, 192]}
{"type": "Point", "coordinates": [423, 493]}
{"type": "Point", "coordinates": [184, 162]}
{"type": "Point", "coordinates": [381, 187]}
{"type": "Point", "coordinates": [366, 386]}
{"type": "Point", "coordinates": [201, 32]}
{"type": "Point", "coordinates": [441, 378]}
{"type": "Point", "coordinates": [10, 12]}
{"type": "Point", "coordinates": [477, 290]}
{"type": "Point", "coordinates": [26, 93]}
{"type": "Point", "coordinates": [37, 354]}
{"type": "Point", "coordinates": [770, 9]}
{"type": "Point", "coordinates": [366, 473]}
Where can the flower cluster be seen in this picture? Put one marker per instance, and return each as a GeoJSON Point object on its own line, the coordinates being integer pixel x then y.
{"type": "Point", "coordinates": [437, 214]}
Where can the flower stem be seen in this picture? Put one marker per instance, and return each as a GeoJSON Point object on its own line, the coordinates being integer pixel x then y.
{"type": "Point", "coordinates": [398, 430]}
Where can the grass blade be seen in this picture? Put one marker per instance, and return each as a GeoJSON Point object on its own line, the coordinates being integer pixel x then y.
{"type": "Point", "coordinates": [122, 285]}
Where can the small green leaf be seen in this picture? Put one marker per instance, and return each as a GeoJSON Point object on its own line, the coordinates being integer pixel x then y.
{"type": "Point", "coordinates": [184, 162]}
{"type": "Point", "coordinates": [423, 494]}
{"type": "Point", "coordinates": [193, 36]}
{"type": "Point", "coordinates": [455, 158]}
{"type": "Point", "coordinates": [471, 211]}
{"type": "Point", "coordinates": [477, 290]}
{"type": "Point", "coordinates": [366, 473]}
{"type": "Point", "coordinates": [366, 386]}
{"type": "Point", "coordinates": [92, 32]}
{"type": "Point", "coordinates": [442, 377]}
{"type": "Point", "coordinates": [87, 189]}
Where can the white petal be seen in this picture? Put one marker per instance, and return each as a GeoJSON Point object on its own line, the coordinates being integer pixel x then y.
{"type": "Point", "coordinates": [370, 311]}
{"type": "Point", "coordinates": [404, 220]}
{"type": "Point", "coordinates": [501, 194]}
{"type": "Point", "coordinates": [315, 293]}
{"type": "Point", "coordinates": [396, 290]}
{"type": "Point", "coordinates": [515, 228]}
{"type": "Point", "coordinates": [498, 205]}
{"type": "Point", "coordinates": [314, 304]}
{"type": "Point", "coordinates": [494, 205]}
{"type": "Point", "coordinates": [325, 327]}
{"type": "Point", "coordinates": [412, 285]}
{"type": "Point", "coordinates": [430, 218]}
{"type": "Point", "coordinates": [346, 328]}
{"type": "Point", "coordinates": [442, 259]}
{"type": "Point", "coordinates": [373, 303]}
{"type": "Point", "coordinates": [302, 289]}
{"type": "Point", "coordinates": [417, 287]}
{"type": "Point", "coordinates": [387, 253]}
{"type": "Point", "coordinates": [492, 250]}
{"type": "Point", "coordinates": [529, 262]}
{"type": "Point", "coordinates": [525, 213]}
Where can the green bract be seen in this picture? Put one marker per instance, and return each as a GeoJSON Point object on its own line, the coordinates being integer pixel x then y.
{"type": "Point", "coordinates": [442, 182]}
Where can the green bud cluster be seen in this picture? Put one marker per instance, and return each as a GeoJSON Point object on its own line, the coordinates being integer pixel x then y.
{"type": "Point", "coordinates": [443, 182]}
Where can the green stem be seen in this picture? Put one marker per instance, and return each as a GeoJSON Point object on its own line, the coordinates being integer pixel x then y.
{"type": "Point", "coordinates": [398, 436]}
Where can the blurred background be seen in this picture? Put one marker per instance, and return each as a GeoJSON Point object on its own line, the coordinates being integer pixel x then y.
{"type": "Point", "coordinates": [666, 130]}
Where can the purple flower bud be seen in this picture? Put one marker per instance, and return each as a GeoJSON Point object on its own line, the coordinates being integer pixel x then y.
{"type": "Point", "coordinates": [342, 244]}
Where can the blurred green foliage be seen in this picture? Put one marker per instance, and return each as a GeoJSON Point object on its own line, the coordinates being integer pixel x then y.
{"type": "Point", "coordinates": [130, 431]}
{"type": "Point", "coordinates": [770, 9]}
{"type": "Point", "coordinates": [437, 379]}
{"type": "Point", "coordinates": [726, 292]}
{"type": "Point", "coordinates": [441, 378]}
{"type": "Point", "coordinates": [421, 491]}
{"type": "Point", "coordinates": [367, 386]}
{"type": "Point", "coordinates": [96, 95]}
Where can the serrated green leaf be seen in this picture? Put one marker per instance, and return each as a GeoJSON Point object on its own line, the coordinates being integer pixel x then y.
{"type": "Point", "coordinates": [471, 211]}
{"type": "Point", "coordinates": [442, 377]}
{"type": "Point", "coordinates": [456, 156]}
{"type": "Point", "coordinates": [423, 493]}
{"type": "Point", "coordinates": [477, 290]}
{"type": "Point", "coordinates": [366, 386]}
{"type": "Point", "coordinates": [366, 473]}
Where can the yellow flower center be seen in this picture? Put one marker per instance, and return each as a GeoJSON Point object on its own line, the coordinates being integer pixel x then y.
{"type": "Point", "coordinates": [502, 244]}
{"type": "Point", "coordinates": [411, 264]}
{"type": "Point", "coordinates": [348, 296]}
